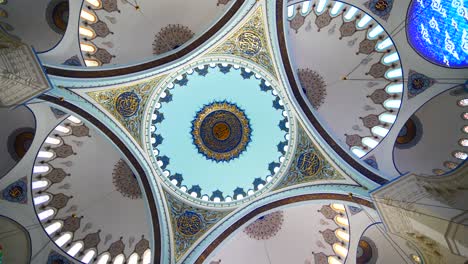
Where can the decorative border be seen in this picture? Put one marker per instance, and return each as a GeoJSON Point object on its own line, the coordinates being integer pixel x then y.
{"type": "Point", "coordinates": [156, 251]}
{"type": "Point", "coordinates": [155, 63]}
{"type": "Point", "coordinates": [268, 83]}
{"type": "Point", "coordinates": [286, 201]}
{"type": "Point", "coordinates": [296, 92]}
{"type": "Point", "coordinates": [232, 153]}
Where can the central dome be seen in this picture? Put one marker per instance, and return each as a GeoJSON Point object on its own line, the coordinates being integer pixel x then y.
{"type": "Point", "coordinates": [221, 131]}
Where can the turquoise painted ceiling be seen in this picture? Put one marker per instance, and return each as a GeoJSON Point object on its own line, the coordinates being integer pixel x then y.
{"type": "Point", "coordinates": [216, 84]}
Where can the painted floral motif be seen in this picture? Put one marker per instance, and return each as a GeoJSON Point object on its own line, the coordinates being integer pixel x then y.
{"type": "Point", "coordinates": [381, 8]}
{"type": "Point", "coordinates": [313, 86]}
{"type": "Point", "coordinates": [249, 42]}
{"type": "Point", "coordinates": [418, 83]}
{"type": "Point", "coordinates": [16, 192]}
{"type": "Point", "coordinates": [127, 104]}
{"type": "Point", "coordinates": [266, 226]}
{"type": "Point", "coordinates": [107, 99]}
{"type": "Point", "coordinates": [221, 131]}
{"type": "Point", "coordinates": [170, 38]}
{"type": "Point", "coordinates": [190, 223]}
{"type": "Point", "coordinates": [125, 181]}
{"type": "Point", "coordinates": [308, 164]}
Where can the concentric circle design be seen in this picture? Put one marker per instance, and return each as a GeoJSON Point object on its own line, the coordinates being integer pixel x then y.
{"type": "Point", "coordinates": [127, 104]}
{"type": "Point", "coordinates": [221, 131]}
{"type": "Point", "coordinates": [309, 163]}
{"type": "Point", "coordinates": [189, 223]}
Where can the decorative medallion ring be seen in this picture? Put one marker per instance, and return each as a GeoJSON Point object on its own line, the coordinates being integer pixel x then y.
{"type": "Point", "coordinates": [221, 131]}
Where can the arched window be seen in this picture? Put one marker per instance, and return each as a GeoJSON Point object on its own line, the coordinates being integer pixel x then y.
{"type": "Point", "coordinates": [92, 63]}
{"type": "Point", "coordinates": [74, 119]}
{"type": "Point", "coordinates": [364, 21]}
{"type": "Point", "coordinates": [465, 116]}
{"type": "Point", "coordinates": [465, 129]}
{"type": "Point", "coordinates": [120, 259]}
{"type": "Point", "coordinates": [39, 184]}
{"type": "Point", "coordinates": [336, 8]}
{"type": "Point", "coordinates": [103, 258]}
{"type": "Point", "coordinates": [450, 165]}
{"type": "Point", "coordinates": [460, 155]}
{"type": "Point", "coordinates": [342, 235]}
{"type": "Point", "coordinates": [95, 3]}
{"type": "Point", "coordinates": [392, 104]}
{"type": "Point", "coordinates": [333, 260]}
{"type": "Point", "coordinates": [394, 88]}
{"type": "Point", "coordinates": [75, 249]}
{"type": "Point", "coordinates": [375, 32]}
{"type": "Point", "coordinates": [340, 250]}
{"type": "Point", "coordinates": [87, 47]}
{"type": "Point", "coordinates": [306, 7]}
{"type": "Point", "coordinates": [370, 142]}
{"type": "Point", "coordinates": [384, 44]}
{"type": "Point", "coordinates": [341, 220]}
{"type": "Point", "coordinates": [338, 207]}
{"type": "Point", "coordinates": [350, 13]}
{"type": "Point", "coordinates": [45, 154]}
{"type": "Point", "coordinates": [41, 199]}
{"type": "Point", "coordinates": [358, 151]}
{"type": "Point", "coordinates": [63, 239]}
{"type": "Point", "coordinates": [392, 57]}
{"type": "Point", "coordinates": [46, 214]}
{"type": "Point", "coordinates": [380, 131]}
{"type": "Point", "coordinates": [387, 118]}
{"type": "Point", "coordinates": [88, 256]}
{"type": "Point", "coordinates": [463, 142]}
{"type": "Point", "coordinates": [395, 73]}
{"type": "Point", "coordinates": [147, 257]}
{"type": "Point", "coordinates": [54, 227]}
{"type": "Point", "coordinates": [290, 11]}
{"type": "Point", "coordinates": [88, 16]}
{"type": "Point", "coordinates": [463, 102]}
{"type": "Point", "coordinates": [63, 129]}
{"type": "Point", "coordinates": [52, 141]}
{"type": "Point", "coordinates": [321, 6]}
{"type": "Point", "coordinates": [86, 32]}
{"type": "Point", "coordinates": [41, 169]}
{"type": "Point", "coordinates": [133, 259]}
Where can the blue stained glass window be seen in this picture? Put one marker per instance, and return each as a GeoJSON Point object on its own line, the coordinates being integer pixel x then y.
{"type": "Point", "coordinates": [438, 31]}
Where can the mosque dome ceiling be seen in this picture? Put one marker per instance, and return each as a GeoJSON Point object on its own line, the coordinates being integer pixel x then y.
{"type": "Point", "coordinates": [220, 132]}
{"type": "Point", "coordinates": [235, 131]}
{"type": "Point", "coordinates": [86, 210]}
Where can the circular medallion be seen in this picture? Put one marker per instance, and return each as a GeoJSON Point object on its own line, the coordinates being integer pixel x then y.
{"type": "Point", "coordinates": [57, 15]}
{"type": "Point", "coordinates": [218, 133]}
{"type": "Point", "coordinates": [189, 223]}
{"type": "Point", "coordinates": [266, 226]}
{"type": "Point", "coordinates": [125, 181]}
{"type": "Point", "coordinates": [221, 131]}
{"type": "Point", "coordinates": [16, 192]}
{"type": "Point", "coordinates": [19, 142]}
{"type": "Point", "coordinates": [127, 104]}
{"type": "Point", "coordinates": [249, 43]}
{"type": "Point", "coordinates": [309, 163]}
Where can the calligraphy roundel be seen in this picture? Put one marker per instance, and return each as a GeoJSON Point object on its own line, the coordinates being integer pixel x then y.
{"type": "Point", "coordinates": [221, 131]}
{"type": "Point", "coordinates": [249, 43]}
{"type": "Point", "coordinates": [127, 104]}
{"type": "Point", "coordinates": [309, 163]}
{"type": "Point", "coordinates": [189, 223]}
